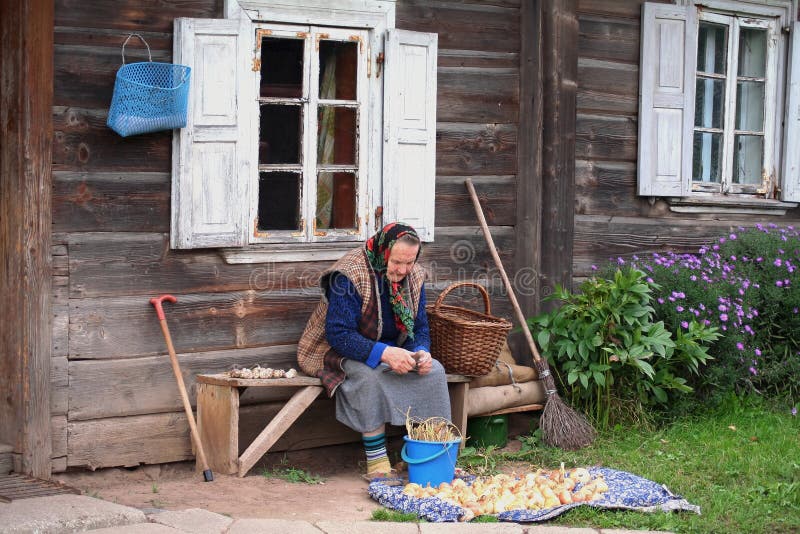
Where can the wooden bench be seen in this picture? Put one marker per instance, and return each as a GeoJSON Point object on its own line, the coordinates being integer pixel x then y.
{"type": "Point", "coordinates": [218, 415]}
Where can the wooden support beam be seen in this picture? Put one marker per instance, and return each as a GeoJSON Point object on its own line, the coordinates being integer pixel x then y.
{"type": "Point", "coordinates": [559, 42]}
{"type": "Point", "coordinates": [26, 136]}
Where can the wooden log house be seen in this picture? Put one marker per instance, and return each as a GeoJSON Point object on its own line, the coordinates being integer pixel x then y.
{"type": "Point", "coordinates": [573, 120]}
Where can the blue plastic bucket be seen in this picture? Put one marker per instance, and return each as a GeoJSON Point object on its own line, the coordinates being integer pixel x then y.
{"type": "Point", "coordinates": [430, 462]}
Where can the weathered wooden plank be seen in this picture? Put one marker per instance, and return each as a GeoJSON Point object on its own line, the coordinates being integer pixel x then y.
{"type": "Point", "coordinates": [599, 239]}
{"type": "Point", "coordinates": [161, 438]}
{"type": "Point", "coordinates": [497, 194]}
{"type": "Point", "coordinates": [124, 327]}
{"type": "Point", "coordinates": [136, 386]}
{"type": "Point", "coordinates": [608, 38]}
{"type": "Point", "coordinates": [478, 58]}
{"type": "Point", "coordinates": [107, 264]}
{"type": "Point", "coordinates": [560, 64]}
{"type": "Point", "coordinates": [84, 75]}
{"type": "Point", "coordinates": [457, 25]}
{"type": "Point", "coordinates": [26, 101]}
{"type": "Point", "coordinates": [83, 142]}
{"type": "Point", "coordinates": [478, 95]}
{"type": "Point", "coordinates": [605, 137]}
{"type": "Point", "coordinates": [59, 386]}
{"type": "Point", "coordinates": [111, 202]}
{"type": "Point", "coordinates": [109, 37]}
{"type": "Point", "coordinates": [60, 323]}
{"type": "Point", "coordinates": [58, 429]}
{"type": "Point", "coordinates": [606, 188]}
{"type": "Point", "coordinates": [218, 426]}
{"type": "Point", "coordinates": [631, 9]}
{"type": "Point", "coordinates": [58, 250]}
{"type": "Point", "coordinates": [131, 15]}
{"type": "Point", "coordinates": [60, 266]}
{"type": "Point", "coordinates": [59, 465]}
{"type": "Point", "coordinates": [460, 253]}
{"type": "Point", "coordinates": [475, 149]}
{"type": "Point", "coordinates": [607, 87]}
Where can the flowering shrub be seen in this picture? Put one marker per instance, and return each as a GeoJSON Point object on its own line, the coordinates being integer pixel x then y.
{"type": "Point", "coordinates": [614, 356]}
{"type": "Point", "coordinates": [748, 285]}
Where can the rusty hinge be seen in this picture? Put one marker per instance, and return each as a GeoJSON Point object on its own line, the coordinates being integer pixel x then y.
{"type": "Point", "coordinates": [379, 63]}
{"type": "Point", "coordinates": [378, 218]}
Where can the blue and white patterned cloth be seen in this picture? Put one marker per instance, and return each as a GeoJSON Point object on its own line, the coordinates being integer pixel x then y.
{"type": "Point", "coordinates": [625, 491]}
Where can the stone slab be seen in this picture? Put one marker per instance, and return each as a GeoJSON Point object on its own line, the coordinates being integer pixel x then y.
{"type": "Point", "coordinates": [195, 520]}
{"type": "Point", "coordinates": [272, 526]}
{"type": "Point", "coordinates": [58, 514]}
{"type": "Point", "coordinates": [472, 528]}
{"type": "Point", "coordinates": [367, 527]}
{"type": "Point", "coordinates": [139, 528]}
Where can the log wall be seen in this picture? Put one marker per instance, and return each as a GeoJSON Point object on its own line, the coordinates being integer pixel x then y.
{"type": "Point", "coordinates": [114, 400]}
{"type": "Point", "coordinates": [610, 219]}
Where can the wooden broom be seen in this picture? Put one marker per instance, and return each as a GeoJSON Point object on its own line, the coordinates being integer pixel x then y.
{"type": "Point", "coordinates": [561, 425]}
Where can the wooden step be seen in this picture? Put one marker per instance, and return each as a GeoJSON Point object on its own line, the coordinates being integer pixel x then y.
{"type": "Point", "coordinates": [6, 459]}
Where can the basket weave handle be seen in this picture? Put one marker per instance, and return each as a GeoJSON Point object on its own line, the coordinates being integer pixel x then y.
{"type": "Point", "coordinates": [451, 287]}
{"type": "Point", "coordinates": [149, 55]}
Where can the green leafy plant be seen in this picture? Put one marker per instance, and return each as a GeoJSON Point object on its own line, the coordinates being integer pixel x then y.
{"type": "Point", "coordinates": [611, 354]}
{"type": "Point", "coordinates": [292, 474]}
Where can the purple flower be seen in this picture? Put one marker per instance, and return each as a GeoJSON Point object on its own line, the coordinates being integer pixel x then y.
{"type": "Point", "coordinates": [723, 317]}
{"type": "Point", "coordinates": [660, 300]}
{"type": "Point", "coordinates": [732, 236]}
{"type": "Point", "coordinates": [794, 411]}
{"type": "Point", "coordinates": [594, 267]}
{"type": "Point", "coordinates": [685, 325]}
{"type": "Point", "coordinates": [620, 261]}
{"type": "Point", "coordinates": [678, 309]}
{"type": "Point", "coordinates": [753, 371]}
{"type": "Point", "coordinates": [740, 345]}
{"type": "Point", "coordinates": [757, 352]}
{"type": "Point", "coordinates": [777, 262]}
{"type": "Point", "coordinates": [779, 283]}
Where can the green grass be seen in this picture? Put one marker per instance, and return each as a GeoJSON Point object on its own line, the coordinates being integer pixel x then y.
{"type": "Point", "coordinates": [385, 514]}
{"type": "Point", "coordinates": [745, 480]}
{"type": "Point", "coordinates": [293, 475]}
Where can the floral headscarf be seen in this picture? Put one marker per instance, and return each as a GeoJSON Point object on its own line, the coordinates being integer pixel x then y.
{"type": "Point", "coordinates": [378, 248]}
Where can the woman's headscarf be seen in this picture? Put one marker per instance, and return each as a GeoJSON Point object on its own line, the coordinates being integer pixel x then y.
{"type": "Point", "coordinates": [378, 248]}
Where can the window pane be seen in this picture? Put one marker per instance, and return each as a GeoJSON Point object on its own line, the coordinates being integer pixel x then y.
{"type": "Point", "coordinates": [752, 52]}
{"type": "Point", "coordinates": [281, 67]}
{"type": "Point", "coordinates": [712, 48]}
{"type": "Point", "coordinates": [337, 70]}
{"type": "Point", "coordinates": [336, 136]}
{"type": "Point", "coordinates": [750, 106]}
{"type": "Point", "coordinates": [280, 129]}
{"type": "Point", "coordinates": [708, 103]}
{"type": "Point", "coordinates": [748, 155]}
{"type": "Point", "coordinates": [279, 200]}
{"type": "Point", "coordinates": [336, 200]}
{"type": "Point", "coordinates": [707, 157]}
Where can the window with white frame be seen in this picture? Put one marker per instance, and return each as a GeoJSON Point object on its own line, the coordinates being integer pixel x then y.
{"type": "Point", "coordinates": [718, 109]}
{"type": "Point", "coordinates": [303, 137]}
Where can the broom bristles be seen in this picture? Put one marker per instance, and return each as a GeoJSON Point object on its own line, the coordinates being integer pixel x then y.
{"type": "Point", "coordinates": [561, 425]}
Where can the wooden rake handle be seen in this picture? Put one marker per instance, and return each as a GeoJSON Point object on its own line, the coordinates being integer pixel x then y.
{"type": "Point", "coordinates": [490, 242]}
{"type": "Point", "coordinates": [208, 476]}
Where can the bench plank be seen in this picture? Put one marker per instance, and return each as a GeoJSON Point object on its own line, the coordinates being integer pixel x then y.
{"type": "Point", "coordinates": [218, 425]}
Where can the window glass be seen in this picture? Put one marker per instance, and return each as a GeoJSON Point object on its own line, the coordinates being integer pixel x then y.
{"type": "Point", "coordinates": [280, 132]}
{"type": "Point", "coordinates": [709, 103]}
{"type": "Point", "coordinates": [748, 157]}
{"type": "Point", "coordinates": [750, 106]}
{"type": "Point", "coordinates": [337, 70]}
{"type": "Point", "coordinates": [281, 67]}
{"type": "Point", "coordinates": [712, 48]}
{"type": "Point", "coordinates": [279, 200]}
{"type": "Point", "coordinates": [336, 200]}
{"type": "Point", "coordinates": [336, 139]}
{"type": "Point", "coordinates": [707, 157]}
{"type": "Point", "coordinates": [752, 52]}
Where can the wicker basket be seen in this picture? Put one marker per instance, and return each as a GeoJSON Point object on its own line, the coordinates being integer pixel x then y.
{"type": "Point", "coordinates": [466, 342]}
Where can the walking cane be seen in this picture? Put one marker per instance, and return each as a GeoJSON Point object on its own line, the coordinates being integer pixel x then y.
{"type": "Point", "coordinates": [208, 476]}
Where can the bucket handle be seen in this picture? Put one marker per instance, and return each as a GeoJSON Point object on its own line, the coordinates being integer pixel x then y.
{"type": "Point", "coordinates": [149, 55]}
{"type": "Point", "coordinates": [433, 456]}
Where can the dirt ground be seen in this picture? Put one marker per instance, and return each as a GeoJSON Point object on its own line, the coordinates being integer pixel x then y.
{"type": "Point", "coordinates": [342, 494]}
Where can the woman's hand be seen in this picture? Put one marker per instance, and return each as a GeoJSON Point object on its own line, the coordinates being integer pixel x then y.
{"type": "Point", "coordinates": [424, 362]}
{"type": "Point", "coordinates": [399, 360]}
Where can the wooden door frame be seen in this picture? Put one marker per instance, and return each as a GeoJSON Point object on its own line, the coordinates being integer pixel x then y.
{"type": "Point", "coordinates": [26, 134]}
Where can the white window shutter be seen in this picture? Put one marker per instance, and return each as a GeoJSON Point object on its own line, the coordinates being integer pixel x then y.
{"type": "Point", "coordinates": [790, 189]}
{"type": "Point", "coordinates": [666, 99]}
{"type": "Point", "coordinates": [210, 156]}
{"type": "Point", "coordinates": [409, 130]}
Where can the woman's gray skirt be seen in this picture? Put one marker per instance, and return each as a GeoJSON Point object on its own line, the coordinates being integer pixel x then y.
{"type": "Point", "coordinates": [369, 398]}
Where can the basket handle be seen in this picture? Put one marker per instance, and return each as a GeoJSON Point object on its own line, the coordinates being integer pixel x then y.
{"type": "Point", "coordinates": [480, 288]}
{"type": "Point", "coordinates": [149, 55]}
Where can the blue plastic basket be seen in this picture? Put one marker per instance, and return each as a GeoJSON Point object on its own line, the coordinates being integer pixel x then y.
{"type": "Point", "coordinates": [149, 97]}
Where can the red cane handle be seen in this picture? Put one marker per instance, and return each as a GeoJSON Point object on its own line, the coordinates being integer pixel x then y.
{"type": "Point", "coordinates": [156, 302]}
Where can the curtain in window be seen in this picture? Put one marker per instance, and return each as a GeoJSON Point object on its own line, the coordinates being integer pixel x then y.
{"type": "Point", "coordinates": [325, 147]}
